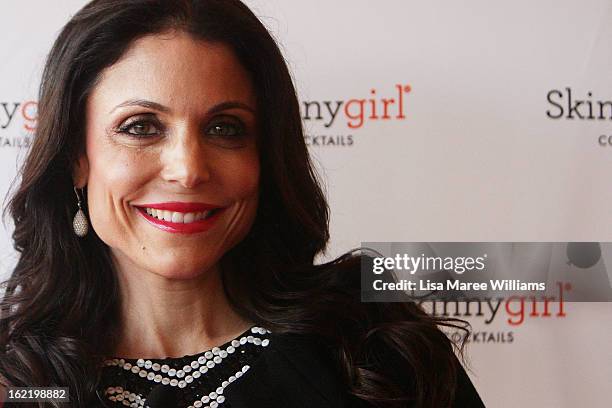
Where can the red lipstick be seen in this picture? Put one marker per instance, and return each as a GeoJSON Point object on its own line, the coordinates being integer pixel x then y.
{"type": "Point", "coordinates": [178, 227]}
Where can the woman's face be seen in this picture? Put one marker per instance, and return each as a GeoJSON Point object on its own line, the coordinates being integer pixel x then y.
{"type": "Point", "coordinates": [171, 163]}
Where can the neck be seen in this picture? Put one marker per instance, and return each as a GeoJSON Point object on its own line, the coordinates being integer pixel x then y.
{"type": "Point", "coordinates": [161, 317]}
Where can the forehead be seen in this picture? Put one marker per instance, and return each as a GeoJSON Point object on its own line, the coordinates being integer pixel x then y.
{"type": "Point", "coordinates": [176, 70]}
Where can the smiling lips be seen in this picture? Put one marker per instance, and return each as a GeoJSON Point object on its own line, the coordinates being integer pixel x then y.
{"type": "Point", "coordinates": [176, 217]}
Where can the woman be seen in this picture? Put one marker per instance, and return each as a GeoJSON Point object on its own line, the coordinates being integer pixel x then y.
{"type": "Point", "coordinates": [167, 221]}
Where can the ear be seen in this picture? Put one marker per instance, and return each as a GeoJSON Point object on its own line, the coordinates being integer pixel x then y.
{"type": "Point", "coordinates": [80, 172]}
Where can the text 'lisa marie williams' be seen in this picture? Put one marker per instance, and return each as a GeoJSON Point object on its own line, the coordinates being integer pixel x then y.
{"type": "Point", "coordinates": [507, 285]}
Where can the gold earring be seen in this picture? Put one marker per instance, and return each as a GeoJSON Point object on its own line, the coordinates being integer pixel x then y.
{"type": "Point", "coordinates": [80, 225]}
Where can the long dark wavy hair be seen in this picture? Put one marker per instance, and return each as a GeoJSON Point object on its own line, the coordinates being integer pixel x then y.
{"type": "Point", "coordinates": [57, 313]}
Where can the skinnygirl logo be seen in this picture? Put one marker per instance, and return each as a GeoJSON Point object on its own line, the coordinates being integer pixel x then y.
{"type": "Point", "coordinates": [19, 113]}
{"type": "Point", "coordinates": [356, 112]}
{"type": "Point", "coordinates": [514, 309]}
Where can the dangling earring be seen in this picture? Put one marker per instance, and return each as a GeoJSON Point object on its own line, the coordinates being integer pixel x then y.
{"type": "Point", "coordinates": [80, 225]}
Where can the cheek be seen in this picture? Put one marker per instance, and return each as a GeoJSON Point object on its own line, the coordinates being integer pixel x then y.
{"type": "Point", "coordinates": [242, 188]}
{"type": "Point", "coordinates": [242, 178]}
{"type": "Point", "coordinates": [243, 185]}
{"type": "Point", "coordinates": [113, 176]}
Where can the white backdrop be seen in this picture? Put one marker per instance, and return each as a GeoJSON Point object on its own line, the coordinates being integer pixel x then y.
{"type": "Point", "coordinates": [479, 144]}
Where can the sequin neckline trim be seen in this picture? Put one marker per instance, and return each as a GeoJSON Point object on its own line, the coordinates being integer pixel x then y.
{"type": "Point", "coordinates": [199, 379]}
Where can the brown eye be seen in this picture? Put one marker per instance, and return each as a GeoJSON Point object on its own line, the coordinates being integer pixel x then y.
{"type": "Point", "coordinates": [141, 128]}
{"type": "Point", "coordinates": [225, 129]}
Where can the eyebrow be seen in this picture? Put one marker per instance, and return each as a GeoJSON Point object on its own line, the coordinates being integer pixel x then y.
{"type": "Point", "coordinates": [159, 107]}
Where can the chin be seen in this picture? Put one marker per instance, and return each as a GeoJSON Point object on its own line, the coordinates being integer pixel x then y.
{"type": "Point", "coordinates": [181, 275]}
{"type": "Point", "coordinates": [181, 270]}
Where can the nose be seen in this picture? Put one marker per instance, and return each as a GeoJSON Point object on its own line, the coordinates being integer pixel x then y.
{"type": "Point", "coordinates": [184, 159]}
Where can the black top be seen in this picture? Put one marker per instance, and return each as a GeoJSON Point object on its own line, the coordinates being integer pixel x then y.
{"type": "Point", "coordinates": [190, 381]}
{"type": "Point", "coordinates": [291, 371]}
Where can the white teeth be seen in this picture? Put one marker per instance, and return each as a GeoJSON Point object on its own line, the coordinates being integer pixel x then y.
{"type": "Point", "coordinates": [177, 217]}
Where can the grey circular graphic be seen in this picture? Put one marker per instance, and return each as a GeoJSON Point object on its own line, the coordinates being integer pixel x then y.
{"type": "Point", "coordinates": [583, 254]}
